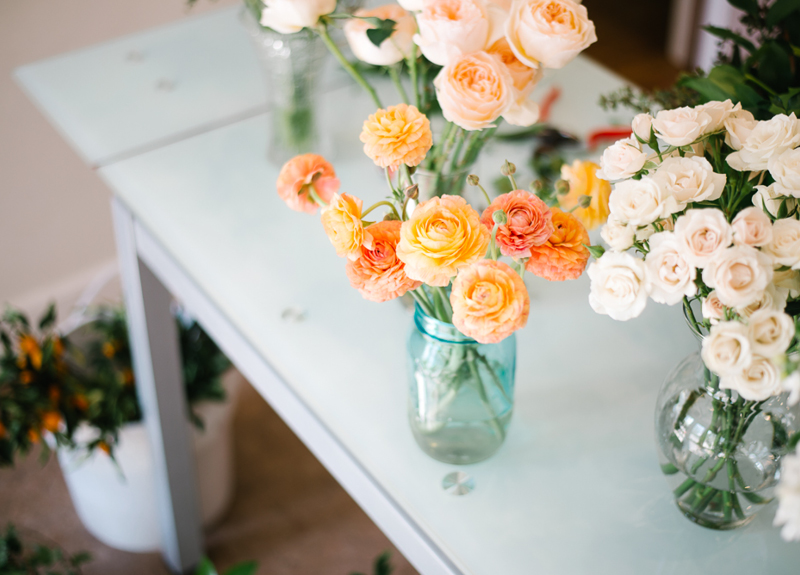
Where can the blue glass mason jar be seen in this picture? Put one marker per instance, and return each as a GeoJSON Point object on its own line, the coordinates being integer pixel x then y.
{"type": "Point", "coordinates": [461, 391]}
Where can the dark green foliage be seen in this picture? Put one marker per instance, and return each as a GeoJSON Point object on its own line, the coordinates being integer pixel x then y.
{"type": "Point", "coordinates": [381, 566]}
{"type": "Point", "coordinates": [206, 567]}
{"type": "Point", "coordinates": [19, 558]}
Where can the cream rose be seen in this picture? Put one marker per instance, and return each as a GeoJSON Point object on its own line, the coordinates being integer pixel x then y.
{"type": "Point", "coordinates": [752, 227]}
{"type": "Point", "coordinates": [739, 274]}
{"type": "Point", "coordinates": [718, 112]}
{"type": "Point", "coordinates": [727, 351]}
{"type": "Point", "coordinates": [703, 234]}
{"type": "Point", "coordinates": [669, 276]}
{"type": "Point", "coordinates": [617, 235]}
{"type": "Point", "coordinates": [411, 5]}
{"type": "Point", "coordinates": [392, 50]}
{"type": "Point", "coordinates": [290, 16]}
{"type": "Point", "coordinates": [774, 298]}
{"type": "Point", "coordinates": [757, 382]}
{"type": "Point", "coordinates": [771, 332]}
{"type": "Point", "coordinates": [712, 308]}
{"type": "Point", "coordinates": [784, 249]}
{"type": "Point", "coordinates": [689, 180]}
{"type": "Point", "coordinates": [449, 29]}
{"type": "Point", "coordinates": [548, 32]}
{"type": "Point", "coordinates": [640, 202]}
{"type": "Point", "coordinates": [771, 198]}
{"type": "Point", "coordinates": [642, 126]}
{"type": "Point", "coordinates": [618, 286]}
{"type": "Point", "coordinates": [621, 160]}
{"type": "Point", "coordinates": [788, 280]}
{"type": "Point", "coordinates": [681, 126]}
{"type": "Point", "coordinates": [792, 385]}
{"type": "Point", "coordinates": [785, 169]}
{"type": "Point", "coordinates": [769, 139]}
{"type": "Point", "coordinates": [738, 126]}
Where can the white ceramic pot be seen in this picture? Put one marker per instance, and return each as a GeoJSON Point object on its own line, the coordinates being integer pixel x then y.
{"type": "Point", "coordinates": [118, 504]}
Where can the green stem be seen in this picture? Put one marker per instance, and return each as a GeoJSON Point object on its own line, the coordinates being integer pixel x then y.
{"type": "Point", "coordinates": [412, 67]}
{"type": "Point", "coordinates": [381, 203]}
{"type": "Point", "coordinates": [313, 193]}
{"type": "Point", "coordinates": [398, 84]}
{"type": "Point", "coordinates": [422, 299]}
{"type": "Point", "coordinates": [484, 397]}
{"type": "Point", "coordinates": [322, 30]}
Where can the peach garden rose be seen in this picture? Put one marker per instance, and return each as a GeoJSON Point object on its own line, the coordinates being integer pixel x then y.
{"type": "Point", "coordinates": [451, 28]}
{"type": "Point", "coordinates": [304, 176]}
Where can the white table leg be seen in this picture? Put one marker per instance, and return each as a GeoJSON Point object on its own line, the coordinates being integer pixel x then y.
{"type": "Point", "coordinates": [156, 361]}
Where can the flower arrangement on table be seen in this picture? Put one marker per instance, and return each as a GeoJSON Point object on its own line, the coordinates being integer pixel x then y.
{"type": "Point", "coordinates": [475, 60]}
{"type": "Point", "coordinates": [446, 255]}
{"type": "Point", "coordinates": [712, 210]}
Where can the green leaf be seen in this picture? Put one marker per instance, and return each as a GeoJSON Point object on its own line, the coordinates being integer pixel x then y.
{"type": "Point", "coordinates": [48, 318]}
{"type": "Point", "coordinates": [248, 568]}
{"type": "Point", "coordinates": [774, 67]}
{"type": "Point", "coordinates": [669, 469]}
{"type": "Point", "coordinates": [596, 251]}
{"type": "Point", "coordinates": [708, 89]}
{"type": "Point", "coordinates": [206, 567]}
{"type": "Point", "coordinates": [795, 439]}
{"type": "Point", "coordinates": [381, 32]}
{"type": "Point", "coordinates": [726, 34]}
{"type": "Point", "coordinates": [382, 565]}
{"type": "Point", "coordinates": [780, 10]}
{"type": "Point", "coordinates": [749, 6]}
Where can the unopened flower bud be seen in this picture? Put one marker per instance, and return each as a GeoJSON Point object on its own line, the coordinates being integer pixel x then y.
{"type": "Point", "coordinates": [537, 186]}
{"type": "Point", "coordinates": [499, 217]}
{"type": "Point", "coordinates": [412, 192]}
{"type": "Point", "coordinates": [585, 201]}
{"type": "Point", "coordinates": [562, 187]}
{"type": "Point", "coordinates": [473, 180]}
{"type": "Point", "coordinates": [389, 217]}
{"type": "Point", "coordinates": [508, 169]}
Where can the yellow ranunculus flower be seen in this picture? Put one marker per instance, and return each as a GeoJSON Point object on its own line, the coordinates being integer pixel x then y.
{"type": "Point", "coordinates": [342, 222]}
{"type": "Point", "coordinates": [583, 181]}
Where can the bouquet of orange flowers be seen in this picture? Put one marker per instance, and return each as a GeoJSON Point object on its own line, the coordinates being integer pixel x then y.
{"type": "Point", "coordinates": [446, 255]}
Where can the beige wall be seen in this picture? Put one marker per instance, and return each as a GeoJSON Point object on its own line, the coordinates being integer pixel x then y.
{"type": "Point", "coordinates": [55, 225]}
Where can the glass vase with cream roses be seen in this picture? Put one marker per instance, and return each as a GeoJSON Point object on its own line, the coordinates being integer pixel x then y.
{"type": "Point", "coordinates": [706, 199]}
{"type": "Point", "coordinates": [477, 61]}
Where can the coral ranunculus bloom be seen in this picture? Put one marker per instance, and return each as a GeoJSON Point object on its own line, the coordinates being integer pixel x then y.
{"type": "Point", "coordinates": [563, 256]}
{"type": "Point", "coordinates": [529, 224]}
{"type": "Point", "coordinates": [379, 274]}
{"type": "Point", "coordinates": [398, 135]}
{"type": "Point", "coordinates": [583, 181]}
{"type": "Point", "coordinates": [489, 301]}
{"type": "Point", "coordinates": [301, 173]}
{"type": "Point", "coordinates": [342, 222]}
{"type": "Point", "coordinates": [442, 236]}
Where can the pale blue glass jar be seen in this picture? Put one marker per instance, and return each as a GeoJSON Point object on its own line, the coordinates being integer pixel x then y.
{"type": "Point", "coordinates": [461, 391]}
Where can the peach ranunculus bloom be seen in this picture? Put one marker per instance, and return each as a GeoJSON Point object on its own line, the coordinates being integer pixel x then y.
{"type": "Point", "coordinates": [378, 274]}
{"type": "Point", "coordinates": [342, 222]}
{"type": "Point", "coordinates": [397, 135]}
{"type": "Point", "coordinates": [563, 256]}
{"type": "Point", "coordinates": [476, 89]}
{"type": "Point", "coordinates": [489, 301]}
{"type": "Point", "coordinates": [549, 32]}
{"type": "Point", "coordinates": [302, 172]}
{"type": "Point", "coordinates": [529, 224]}
{"type": "Point", "coordinates": [442, 236]}
{"type": "Point", "coordinates": [393, 49]}
{"type": "Point", "coordinates": [450, 28]}
{"type": "Point", "coordinates": [525, 77]}
{"type": "Point", "coordinates": [583, 181]}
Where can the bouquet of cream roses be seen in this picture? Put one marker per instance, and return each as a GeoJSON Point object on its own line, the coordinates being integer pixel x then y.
{"type": "Point", "coordinates": [707, 197]}
{"type": "Point", "coordinates": [481, 59]}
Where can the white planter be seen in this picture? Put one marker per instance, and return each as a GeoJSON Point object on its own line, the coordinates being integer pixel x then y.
{"type": "Point", "coordinates": [119, 507]}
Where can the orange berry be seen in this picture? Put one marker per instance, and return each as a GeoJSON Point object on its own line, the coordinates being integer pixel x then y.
{"type": "Point", "coordinates": [55, 394]}
{"type": "Point", "coordinates": [80, 402]}
{"type": "Point", "coordinates": [2, 430]}
{"type": "Point", "coordinates": [109, 350]}
{"type": "Point", "coordinates": [104, 447]}
{"type": "Point", "coordinates": [51, 420]}
{"type": "Point", "coordinates": [58, 347]}
{"type": "Point", "coordinates": [127, 376]}
{"type": "Point", "coordinates": [33, 436]}
{"type": "Point", "coordinates": [25, 377]}
{"type": "Point", "coordinates": [30, 347]}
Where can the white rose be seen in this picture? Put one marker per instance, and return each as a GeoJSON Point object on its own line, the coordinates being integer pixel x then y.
{"type": "Point", "coordinates": [785, 169]}
{"type": "Point", "coordinates": [718, 112]}
{"type": "Point", "coordinates": [411, 5]}
{"type": "Point", "coordinates": [549, 33]}
{"type": "Point", "coordinates": [784, 249]}
{"type": "Point", "coordinates": [752, 227]}
{"type": "Point", "coordinates": [617, 235]}
{"type": "Point", "coordinates": [449, 29]}
{"type": "Point", "coordinates": [645, 232]}
{"type": "Point", "coordinates": [757, 382]}
{"type": "Point", "coordinates": [642, 126]}
{"type": "Point", "coordinates": [771, 332]}
{"type": "Point", "coordinates": [681, 126]}
{"type": "Point", "coordinates": [774, 298]}
{"type": "Point", "coordinates": [712, 308]}
{"type": "Point", "coordinates": [640, 202]}
{"type": "Point", "coordinates": [792, 385]}
{"type": "Point", "coordinates": [669, 276]}
{"type": "Point", "coordinates": [738, 126]}
{"type": "Point", "coordinates": [788, 492]}
{"type": "Point", "coordinates": [768, 139]}
{"type": "Point", "coordinates": [739, 275]}
{"type": "Point", "coordinates": [290, 16]}
{"type": "Point", "coordinates": [727, 351]}
{"type": "Point", "coordinates": [689, 180]}
{"type": "Point", "coordinates": [788, 280]}
{"type": "Point", "coordinates": [772, 197]}
{"type": "Point", "coordinates": [621, 160]}
{"type": "Point", "coordinates": [617, 286]}
{"type": "Point", "coordinates": [703, 234]}
{"type": "Point", "coordinates": [392, 50]}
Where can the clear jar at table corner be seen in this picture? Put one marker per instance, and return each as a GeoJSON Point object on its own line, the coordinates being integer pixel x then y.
{"type": "Point", "coordinates": [719, 452]}
{"type": "Point", "coordinates": [461, 392]}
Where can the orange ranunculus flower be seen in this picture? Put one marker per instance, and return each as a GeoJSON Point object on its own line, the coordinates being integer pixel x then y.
{"type": "Point", "coordinates": [489, 301]}
{"type": "Point", "coordinates": [563, 256]}
{"type": "Point", "coordinates": [398, 135]}
{"type": "Point", "coordinates": [300, 174]}
{"type": "Point", "coordinates": [51, 420]}
{"type": "Point", "coordinates": [583, 181]}
{"type": "Point", "coordinates": [529, 223]}
{"type": "Point", "coordinates": [378, 274]}
{"type": "Point", "coordinates": [29, 347]}
{"type": "Point", "coordinates": [342, 222]}
{"type": "Point", "coordinates": [442, 236]}
{"type": "Point", "coordinates": [524, 76]}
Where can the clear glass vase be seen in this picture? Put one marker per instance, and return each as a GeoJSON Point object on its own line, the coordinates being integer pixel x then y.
{"type": "Point", "coordinates": [292, 66]}
{"type": "Point", "coordinates": [461, 391]}
{"type": "Point", "coordinates": [719, 452]}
